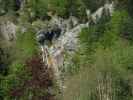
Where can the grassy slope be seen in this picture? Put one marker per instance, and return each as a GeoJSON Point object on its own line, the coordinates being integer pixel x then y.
{"type": "Point", "coordinates": [115, 59]}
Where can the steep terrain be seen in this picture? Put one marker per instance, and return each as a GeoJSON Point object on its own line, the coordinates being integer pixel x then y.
{"type": "Point", "coordinates": [91, 59]}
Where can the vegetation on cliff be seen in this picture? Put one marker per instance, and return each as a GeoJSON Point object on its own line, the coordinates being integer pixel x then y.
{"type": "Point", "coordinates": [101, 68]}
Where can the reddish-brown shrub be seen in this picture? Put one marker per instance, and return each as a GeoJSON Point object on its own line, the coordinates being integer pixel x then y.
{"type": "Point", "coordinates": [41, 77]}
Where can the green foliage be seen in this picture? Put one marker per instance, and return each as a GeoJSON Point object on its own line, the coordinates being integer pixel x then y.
{"type": "Point", "coordinates": [90, 4]}
{"type": "Point", "coordinates": [104, 34]}
{"type": "Point", "coordinates": [103, 58]}
{"type": "Point", "coordinates": [26, 44]}
{"type": "Point", "coordinates": [127, 30]}
{"type": "Point", "coordinates": [33, 9]}
{"type": "Point", "coordinates": [89, 39]}
{"type": "Point", "coordinates": [116, 61]}
{"type": "Point", "coordinates": [110, 66]}
{"type": "Point", "coordinates": [27, 80]}
{"type": "Point", "coordinates": [113, 28]}
{"type": "Point", "coordinates": [58, 6]}
{"type": "Point", "coordinates": [73, 64]}
{"type": "Point", "coordinates": [37, 8]}
{"type": "Point", "coordinates": [23, 49]}
{"type": "Point", "coordinates": [130, 7]}
{"type": "Point", "coordinates": [7, 6]}
{"type": "Point", "coordinates": [65, 8]}
{"type": "Point", "coordinates": [126, 5]}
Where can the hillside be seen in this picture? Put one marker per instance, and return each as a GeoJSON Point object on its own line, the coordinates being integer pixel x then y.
{"type": "Point", "coordinates": [66, 50]}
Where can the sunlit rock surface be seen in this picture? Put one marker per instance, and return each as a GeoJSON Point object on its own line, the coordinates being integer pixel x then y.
{"type": "Point", "coordinates": [69, 39]}
{"type": "Point", "coordinates": [8, 30]}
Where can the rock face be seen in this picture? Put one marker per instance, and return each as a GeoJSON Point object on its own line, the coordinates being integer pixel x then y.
{"type": "Point", "coordinates": [107, 8]}
{"type": "Point", "coordinates": [47, 35]}
{"type": "Point", "coordinates": [71, 27]}
{"type": "Point", "coordinates": [68, 41]}
{"type": "Point", "coordinates": [8, 30]}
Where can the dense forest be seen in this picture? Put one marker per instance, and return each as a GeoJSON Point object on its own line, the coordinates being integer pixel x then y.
{"type": "Point", "coordinates": [99, 68]}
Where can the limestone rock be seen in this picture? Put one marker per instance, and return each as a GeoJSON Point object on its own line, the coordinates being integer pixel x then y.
{"type": "Point", "coordinates": [8, 30]}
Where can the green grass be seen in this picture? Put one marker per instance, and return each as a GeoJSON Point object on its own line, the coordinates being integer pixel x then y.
{"type": "Point", "coordinates": [102, 57]}
{"type": "Point", "coordinates": [24, 48]}
{"type": "Point", "coordinates": [117, 61]}
{"type": "Point", "coordinates": [26, 43]}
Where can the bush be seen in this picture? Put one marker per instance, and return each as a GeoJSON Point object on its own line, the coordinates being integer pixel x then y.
{"type": "Point", "coordinates": [113, 28]}
{"type": "Point", "coordinates": [31, 80]}
{"type": "Point", "coordinates": [17, 75]}
{"type": "Point", "coordinates": [126, 5]}
{"type": "Point", "coordinates": [7, 6]}
{"type": "Point", "coordinates": [26, 44]}
{"type": "Point", "coordinates": [127, 30]}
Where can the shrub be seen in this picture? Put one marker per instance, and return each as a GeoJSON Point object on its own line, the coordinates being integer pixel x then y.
{"type": "Point", "coordinates": [113, 28]}
{"type": "Point", "coordinates": [31, 80]}
{"type": "Point", "coordinates": [26, 44]}
{"type": "Point", "coordinates": [127, 30]}
{"type": "Point", "coordinates": [7, 6]}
